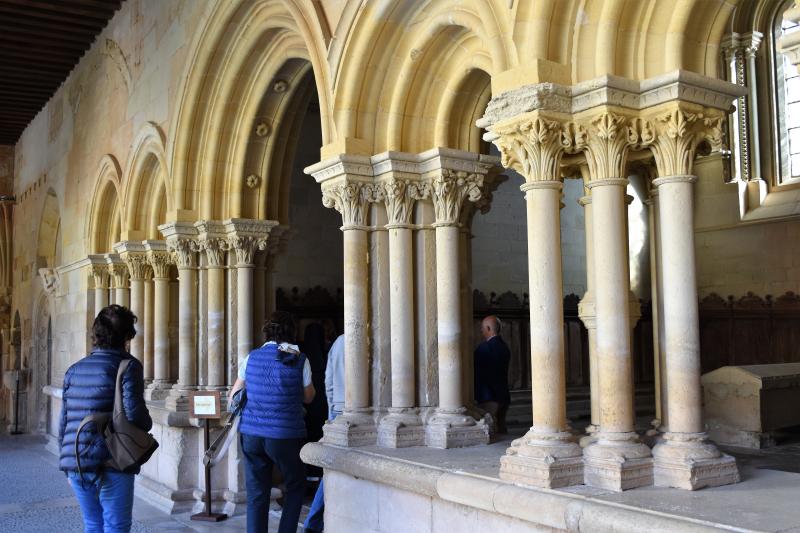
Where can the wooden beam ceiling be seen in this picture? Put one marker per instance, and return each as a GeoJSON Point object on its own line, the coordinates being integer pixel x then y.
{"type": "Point", "coordinates": [41, 41]}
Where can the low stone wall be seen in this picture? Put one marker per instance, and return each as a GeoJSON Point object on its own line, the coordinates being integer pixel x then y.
{"type": "Point", "coordinates": [369, 492]}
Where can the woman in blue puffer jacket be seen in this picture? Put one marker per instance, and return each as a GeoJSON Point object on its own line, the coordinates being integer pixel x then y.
{"type": "Point", "coordinates": [105, 495]}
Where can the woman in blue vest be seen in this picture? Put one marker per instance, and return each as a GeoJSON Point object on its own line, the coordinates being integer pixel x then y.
{"type": "Point", "coordinates": [278, 381]}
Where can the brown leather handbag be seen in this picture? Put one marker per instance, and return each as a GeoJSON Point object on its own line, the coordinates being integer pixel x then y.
{"type": "Point", "coordinates": [128, 444]}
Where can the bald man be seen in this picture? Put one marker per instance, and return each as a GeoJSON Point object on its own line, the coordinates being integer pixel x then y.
{"type": "Point", "coordinates": [492, 357]}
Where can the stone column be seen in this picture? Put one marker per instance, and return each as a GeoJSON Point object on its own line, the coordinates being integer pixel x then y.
{"type": "Point", "coordinates": [161, 263]}
{"type": "Point", "coordinates": [586, 311]}
{"type": "Point", "coordinates": [546, 456]}
{"type": "Point", "coordinates": [350, 194]}
{"type": "Point", "coordinates": [451, 426]}
{"type": "Point", "coordinates": [617, 460]}
{"type": "Point", "coordinates": [213, 246]}
{"type": "Point", "coordinates": [119, 277]}
{"type": "Point", "coordinates": [182, 243]}
{"type": "Point", "coordinates": [685, 458]}
{"type": "Point", "coordinates": [133, 254]}
{"type": "Point", "coordinates": [403, 426]}
{"type": "Point", "coordinates": [245, 237]}
{"type": "Point", "coordinates": [661, 422]}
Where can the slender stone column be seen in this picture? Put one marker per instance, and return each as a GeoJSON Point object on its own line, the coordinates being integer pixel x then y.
{"type": "Point", "coordinates": [182, 243]}
{"type": "Point", "coordinates": [546, 456]}
{"type": "Point", "coordinates": [148, 327]}
{"type": "Point", "coordinates": [685, 458]}
{"type": "Point", "coordinates": [586, 311]}
{"type": "Point", "coordinates": [119, 276]}
{"type": "Point", "coordinates": [617, 460]}
{"type": "Point", "coordinates": [403, 426]}
{"type": "Point", "coordinates": [351, 197]}
{"type": "Point", "coordinates": [133, 255]}
{"type": "Point", "coordinates": [214, 249]}
{"type": "Point", "coordinates": [245, 237]}
{"type": "Point", "coordinates": [451, 426]}
{"type": "Point", "coordinates": [161, 262]}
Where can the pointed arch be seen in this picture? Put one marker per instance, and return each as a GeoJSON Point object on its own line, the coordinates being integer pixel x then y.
{"type": "Point", "coordinates": [147, 185]}
{"type": "Point", "coordinates": [105, 210]}
{"type": "Point", "coordinates": [244, 45]}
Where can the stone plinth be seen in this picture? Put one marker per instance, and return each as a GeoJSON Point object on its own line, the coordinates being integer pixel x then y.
{"type": "Point", "coordinates": [541, 462]}
{"type": "Point", "coordinates": [401, 428]}
{"type": "Point", "coordinates": [690, 462]}
{"type": "Point", "coordinates": [617, 462]}
{"type": "Point", "coordinates": [352, 428]}
{"type": "Point", "coordinates": [455, 430]}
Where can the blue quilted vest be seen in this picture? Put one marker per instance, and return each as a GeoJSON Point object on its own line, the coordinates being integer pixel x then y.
{"type": "Point", "coordinates": [274, 406]}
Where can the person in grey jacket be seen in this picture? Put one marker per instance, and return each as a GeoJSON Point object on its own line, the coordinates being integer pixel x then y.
{"type": "Point", "coordinates": [334, 390]}
{"type": "Point", "coordinates": [105, 495]}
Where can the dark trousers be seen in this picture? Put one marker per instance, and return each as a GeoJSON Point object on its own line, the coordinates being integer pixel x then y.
{"type": "Point", "coordinates": [260, 454]}
{"type": "Point", "coordinates": [498, 412]}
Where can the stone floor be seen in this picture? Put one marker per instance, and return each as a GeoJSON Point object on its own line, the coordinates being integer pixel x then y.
{"type": "Point", "coordinates": [36, 498]}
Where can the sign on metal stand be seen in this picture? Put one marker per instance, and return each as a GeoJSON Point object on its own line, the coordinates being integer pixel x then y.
{"type": "Point", "coordinates": [206, 405]}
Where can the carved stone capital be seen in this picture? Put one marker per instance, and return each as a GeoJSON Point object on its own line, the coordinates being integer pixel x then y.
{"type": "Point", "coordinates": [351, 199]}
{"type": "Point", "coordinates": [609, 136]}
{"type": "Point", "coordinates": [99, 274]}
{"type": "Point", "coordinates": [400, 195]}
{"type": "Point", "coordinates": [533, 146]}
{"type": "Point", "coordinates": [214, 249]}
{"type": "Point", "coordinates": [137, 264]}
{"type": "Point", "coordinates": [449, 190]}
{"type": "Point", "coordinates": [245, 247]}
{"type": "Point", "coordinates": [119, 273]}
{"type": "Point", "coordinates": [160, 262]}
{"type": "Point", "coordinates": [679, 132]}
{"type": "Point", "coordinates": [184, 251]}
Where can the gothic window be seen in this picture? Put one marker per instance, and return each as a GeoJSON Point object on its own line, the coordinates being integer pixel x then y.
{"type": "Point", "coordinates": [786, 92]}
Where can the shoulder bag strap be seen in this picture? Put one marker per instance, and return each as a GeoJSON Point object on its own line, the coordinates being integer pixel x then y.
{"type": "Point", "coordinates": [118, 406]}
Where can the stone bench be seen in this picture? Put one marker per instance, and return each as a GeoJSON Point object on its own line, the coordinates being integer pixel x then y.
{"type": "Point", "coordinates": [745, 404]}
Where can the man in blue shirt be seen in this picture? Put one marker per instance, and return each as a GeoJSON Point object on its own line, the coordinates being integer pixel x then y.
{"type": "Point", "coordinates": [492, 358]}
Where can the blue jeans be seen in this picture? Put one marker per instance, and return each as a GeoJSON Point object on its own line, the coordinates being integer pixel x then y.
{"type": "Point", "coordinates": [260, 454]}
{"type": "Point", "coordinates": [314, 521]}
{"type": "Point", "coordinates": [106, 500]}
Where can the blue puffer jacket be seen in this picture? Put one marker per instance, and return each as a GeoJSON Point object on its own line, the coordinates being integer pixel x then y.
{"type": "Point", "coordinates": [274, 407]}
{"type": "Point", "coordinates": [89, 388]}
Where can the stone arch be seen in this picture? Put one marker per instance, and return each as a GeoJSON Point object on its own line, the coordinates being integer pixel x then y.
{"type": "Point", "coordinates": [105, 210]}
{"type": "Point", "coordinates": [395, 107]}
{"type": "Point", "coordinates": [244, 46]}
{"type": "Point", "coordinates": [148, 190]}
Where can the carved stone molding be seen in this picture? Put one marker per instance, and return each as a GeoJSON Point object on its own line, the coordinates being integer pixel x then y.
{"type": "Point", "coordinates": [449, 190]}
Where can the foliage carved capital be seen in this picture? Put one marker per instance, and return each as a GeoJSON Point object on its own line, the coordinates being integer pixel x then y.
{"type": "Point", "coordinates": [160, 262]}
{"type": "Point", "coordinates": [245, 247]}
{"type": "Point", "coordinates": [351, 199]}
{"type": "Point", "coordinates": [119, 273]}
{"type": "Point", "coordinates": [400, 195]}
{"type": "Point", "coordinates": [449, 190]}
{"type": "Point", "coordinates": [99, 275]}
{"type": "Point", "coordinates": [609, 137]}
{"type": "Point", "coordinates": [183, 251]}
{"type": "Point", "coordinates": [137, 264]}
{"type": "Point", "coordinates": [214, 249]}
{"type": "Point", "coordinates": [679, 133]}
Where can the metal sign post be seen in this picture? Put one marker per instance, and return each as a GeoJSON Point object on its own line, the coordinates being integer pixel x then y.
{"type": "Point", "coordinates": [206, 405]}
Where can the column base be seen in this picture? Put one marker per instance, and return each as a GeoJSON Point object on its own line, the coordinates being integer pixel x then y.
{"type": "Point", "coordinates": [178, 397]}
{"type": "Point", "coordinates": [545, 460]}
{"type": "Point", "coordinates": [689, 461]}
{"type": "Point", "coordinates": [354, 427]}
{"type": "Point", "coordinates": [617, 461]}
{"type": "Point", "coordinates": [453, 428]}
{"type": "Point", "coordinates": [401, 428]}
{"type": "Point", "coordinates": [157, 390]}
